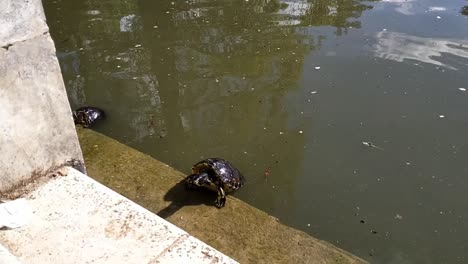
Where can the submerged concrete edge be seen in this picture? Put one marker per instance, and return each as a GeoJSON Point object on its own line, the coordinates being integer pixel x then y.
{"type": "Point", "coordinates": [239, 230]}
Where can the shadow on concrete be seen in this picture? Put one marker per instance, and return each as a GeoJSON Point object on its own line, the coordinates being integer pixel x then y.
{"type": "Point", "coordinates": [179, 196]}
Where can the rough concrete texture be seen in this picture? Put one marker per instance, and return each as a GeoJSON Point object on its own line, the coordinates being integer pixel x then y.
{"type": "Point", "coordinates": [21, 20]}
{"type": "Point", "coordinates": [37, 130]}
{"type": "Point", "coordinates": [238, 230]}
{"type": "Point", "coordinates": [77, 220]}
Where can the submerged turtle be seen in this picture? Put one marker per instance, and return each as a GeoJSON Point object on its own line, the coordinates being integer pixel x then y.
{"type": "Point", "coordinates": [217, 175]}
{"type": "Point", "coordinates": [87, 116]}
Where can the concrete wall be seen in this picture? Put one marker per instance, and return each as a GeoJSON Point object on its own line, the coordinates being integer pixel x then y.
{"type": "Point", "coordinates": [36, 125]}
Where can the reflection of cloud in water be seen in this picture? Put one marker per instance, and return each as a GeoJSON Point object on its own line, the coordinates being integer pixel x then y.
{"type": "Point", "coordinates": [126, 23]}
{"type": "Point", "coordinates": [296, 8]}
{"type": "Point", "coordinates": [292, 22]}
{"type": "Point", "coordinates": [399, 46]}
{"type": "Point", "coordinates": [403, 6]}
{"type": "Point", "coordinates": [437, 9]}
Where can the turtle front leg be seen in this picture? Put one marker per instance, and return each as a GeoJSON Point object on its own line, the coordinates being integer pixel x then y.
{"type": "Point", "coordinates": [86, 121]}
{"type": "Point", "coordinates": [221, 200]}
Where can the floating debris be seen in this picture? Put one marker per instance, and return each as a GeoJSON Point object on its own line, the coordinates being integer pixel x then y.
{"type": "Point", "coordinates": [441, 116]}
{"type": "Point", "coordinates": [462, 89]}
{"type": "Point", "coordinates": [362, 221]}
{"type": "Point", "coordinates": [398, 216]}
{"type": "Point", "coordinates": [438, 17]}
{"type": "Point", "coordinates": [373, 231]}
{"type": "Point", "coordinates": [317, 67]}
{"type": "Point", "coordinates": [137, 45]}
{"type": "Point", "coordinates": [313, 92]}
{"type": "Point", "coordinates": [267, 173]}
{"type": "Point", "coordinates": [371, 145]}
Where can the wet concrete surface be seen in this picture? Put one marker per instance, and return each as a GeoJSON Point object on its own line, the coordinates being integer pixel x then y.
{"type": "Point", "coordinates": [238, 230]}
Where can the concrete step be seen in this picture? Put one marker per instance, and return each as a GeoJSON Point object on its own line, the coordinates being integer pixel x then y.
{"type": "Point", "coordinates": [77, 220]}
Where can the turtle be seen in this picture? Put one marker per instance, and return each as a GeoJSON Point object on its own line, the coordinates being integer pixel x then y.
{"type": "Point", "coordinates": [217, 175]}
{"type": "Point", "coordinates": [87, 116]}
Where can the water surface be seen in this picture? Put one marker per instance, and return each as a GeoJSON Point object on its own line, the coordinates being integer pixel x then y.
{"type": "Point", "coordinates": [294, 87]}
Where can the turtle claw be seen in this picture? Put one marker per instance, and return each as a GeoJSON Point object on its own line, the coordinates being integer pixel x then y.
{"type": "Point", "coordinates": [220, 202]}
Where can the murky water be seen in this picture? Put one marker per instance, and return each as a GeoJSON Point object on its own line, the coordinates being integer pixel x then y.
{"type": "Point", "coordinates": [294, 87]}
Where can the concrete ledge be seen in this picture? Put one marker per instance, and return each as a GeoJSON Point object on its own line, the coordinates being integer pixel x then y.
{"type": "Point", "coordinates": [77, 220]}
{"type": "Point", "coordinates": [37, 130]}
{"type": "Point", "coordinates": [21, 20]}
{"type": "Point", "coordinates": [238, 230]}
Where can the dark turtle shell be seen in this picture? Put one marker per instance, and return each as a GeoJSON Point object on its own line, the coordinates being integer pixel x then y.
{"type": "Point", "coordinates": [87, 116]}
{"type": "Point", "coordinates": [221, 173]}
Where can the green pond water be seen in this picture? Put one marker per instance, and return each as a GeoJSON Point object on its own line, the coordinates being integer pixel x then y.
{"type": "Point", "coordinates": [288, 91]}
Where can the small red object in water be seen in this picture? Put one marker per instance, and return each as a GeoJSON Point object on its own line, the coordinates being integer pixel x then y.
{"type": "Point", "coordinates": [267, 172]}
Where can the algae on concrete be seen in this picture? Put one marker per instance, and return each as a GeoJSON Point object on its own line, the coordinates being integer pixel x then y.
{"type": "Point", "coordinates": [238, 230]}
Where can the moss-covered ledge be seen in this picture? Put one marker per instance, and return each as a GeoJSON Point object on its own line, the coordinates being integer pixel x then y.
{"type": "Point", "coordinates": [247, 234]}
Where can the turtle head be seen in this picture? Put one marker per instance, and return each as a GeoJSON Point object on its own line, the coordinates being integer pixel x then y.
{"type": "Point", "coordinates": [197, 180]}
{"type": "Point", "coordinates": [80, 118]}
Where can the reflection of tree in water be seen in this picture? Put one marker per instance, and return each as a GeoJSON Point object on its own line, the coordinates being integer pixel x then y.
{"type": "Point", "coordinates": [337, 13]}
{"type": "Point", "coordinates": [464, 10]}
{"type": "Point", "coordinates": [224, 70]}
{"type": "Point", "coordinates": [99, 72]}
{"type": "Point", "coordinates": [212, 51]}
{"type": "Point", "coordinates": [212, 74]}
